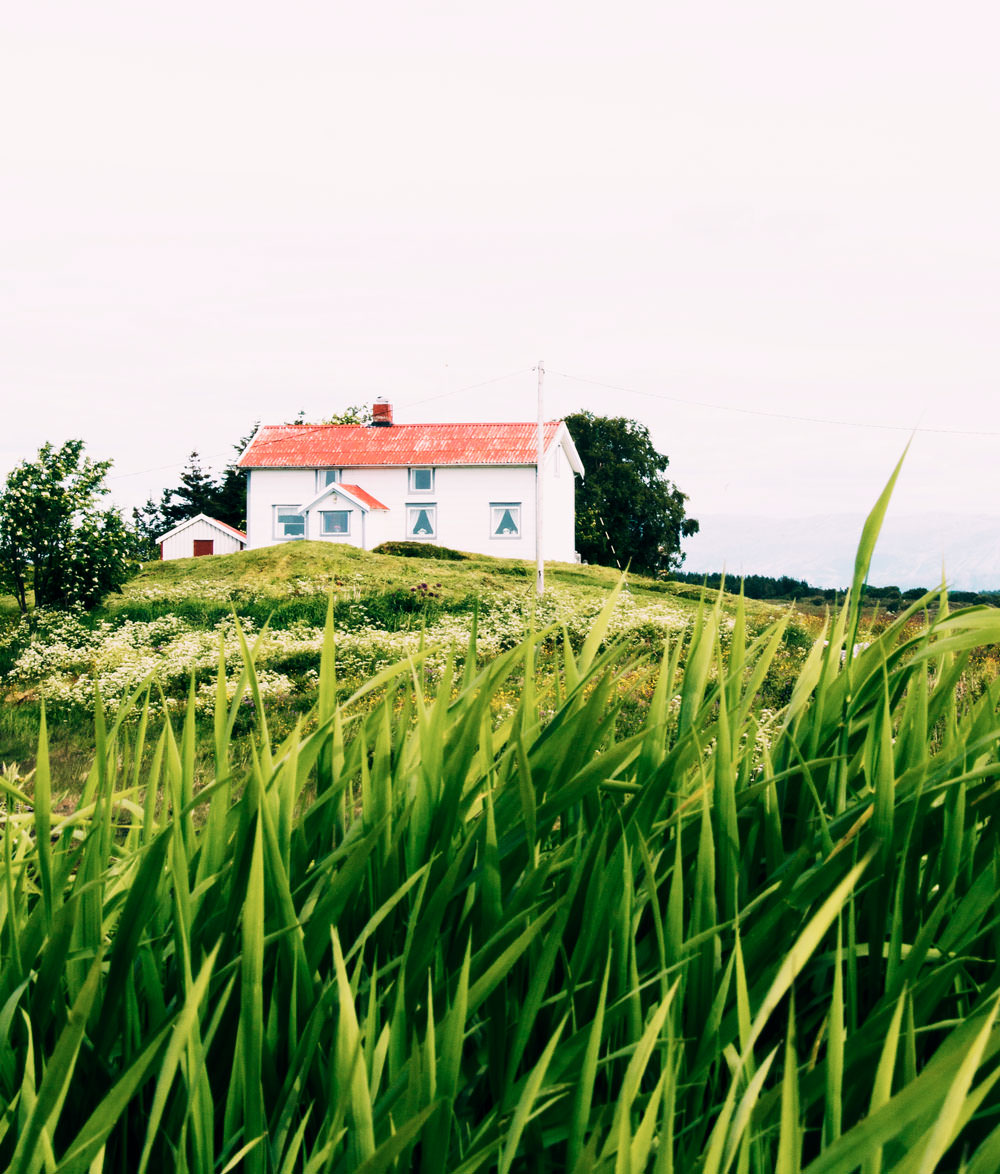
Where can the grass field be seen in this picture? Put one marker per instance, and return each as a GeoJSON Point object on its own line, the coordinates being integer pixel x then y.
{"type": "Point", "coordinates": [171, 620]}
{"type": "Point", "coordinates": [499, 917]}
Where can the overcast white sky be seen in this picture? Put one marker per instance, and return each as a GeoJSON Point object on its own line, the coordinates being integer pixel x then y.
{"type": "Point", "coordinates": [213, 213]}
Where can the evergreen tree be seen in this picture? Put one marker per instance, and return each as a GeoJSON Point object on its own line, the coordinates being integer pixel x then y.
{"type": "Point", "coordinates": [199, 492]}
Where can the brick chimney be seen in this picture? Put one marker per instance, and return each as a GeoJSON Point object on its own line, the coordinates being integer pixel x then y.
{"type": "Point", "coordinates": [381, 414]}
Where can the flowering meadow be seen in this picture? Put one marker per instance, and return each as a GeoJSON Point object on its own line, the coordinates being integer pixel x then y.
{"type": "Point", "coordinates": [62, 657]}
{"type": "Point", "coordinates": [170, 626]}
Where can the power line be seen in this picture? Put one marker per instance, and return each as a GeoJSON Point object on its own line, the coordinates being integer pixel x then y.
{"type": "Point", "coordinates": [775, 415]}
{"type": "Point", "coordinates": [160, 468]}
{"type": "Point", "coordinates": [471, 387]}
{"type": "Point", "coordinates": [657, 395]}
{"type": "Point", "coordinates": [307, 428]}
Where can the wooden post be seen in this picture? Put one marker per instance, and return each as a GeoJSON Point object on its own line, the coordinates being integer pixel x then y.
{"type": "Point", "coordinates": [539, 454]}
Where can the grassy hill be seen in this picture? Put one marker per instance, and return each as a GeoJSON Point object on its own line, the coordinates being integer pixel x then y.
{"type": "Point", "coordinates": [174, 619]}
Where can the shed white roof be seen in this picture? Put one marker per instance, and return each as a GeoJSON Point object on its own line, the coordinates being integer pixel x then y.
{"type": "Point", "coordinates": [224, 527]}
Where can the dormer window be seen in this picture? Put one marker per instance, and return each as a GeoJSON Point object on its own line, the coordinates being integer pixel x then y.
{"type": "Point", "coordinates": [421, 480]}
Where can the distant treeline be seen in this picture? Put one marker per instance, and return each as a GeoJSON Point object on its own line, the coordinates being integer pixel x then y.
{"type": "Point", "coordinates": [785, 587]}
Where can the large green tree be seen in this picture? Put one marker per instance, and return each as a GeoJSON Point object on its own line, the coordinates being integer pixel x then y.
{"type": "Point", "coordinates": [627, 510]}
{"type": "Point", "coordinates": [55, 538]}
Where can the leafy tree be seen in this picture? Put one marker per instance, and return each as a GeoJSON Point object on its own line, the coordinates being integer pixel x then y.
{"type": "Point", "coordinates": [353, 414]}
{"type": "Point", "coordinates": [54, 538]}
{"type": "Point", "coordinates": [627, 511]}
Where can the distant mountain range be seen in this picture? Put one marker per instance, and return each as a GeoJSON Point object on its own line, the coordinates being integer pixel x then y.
{"type": "Point", "coordinates": [911, 551]}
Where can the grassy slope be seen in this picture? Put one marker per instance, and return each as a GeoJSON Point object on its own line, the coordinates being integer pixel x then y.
{"type": "Point", "coordinates": [274, 569]}
{"type": "Point", "coordinates": [289, 585]}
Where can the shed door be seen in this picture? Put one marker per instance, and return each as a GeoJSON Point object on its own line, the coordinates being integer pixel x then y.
{"type": "Point", "coordinates": [204, 546]}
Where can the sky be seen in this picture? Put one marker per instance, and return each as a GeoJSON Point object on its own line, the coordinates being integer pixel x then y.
{"type": "Point", "coordinates": [767, 231]}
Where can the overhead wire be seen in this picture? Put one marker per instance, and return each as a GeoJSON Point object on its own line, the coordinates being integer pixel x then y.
{"type": "Point", "coordinates": [771, 414]}
{"type": "Point", "coordinates": [470, 387]}
{"type": "Point", "coordinates": [307, 428]}
{"type": "Point", "coordinates": [827, 421]}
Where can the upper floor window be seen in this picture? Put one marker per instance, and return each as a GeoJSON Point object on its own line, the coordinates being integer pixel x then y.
{"type": "Point", "coordinates": [422, 480]}
{"type": "Point", "coordinates": [325, 477]}
{"type": "Point", "coordinates": [288, 522]}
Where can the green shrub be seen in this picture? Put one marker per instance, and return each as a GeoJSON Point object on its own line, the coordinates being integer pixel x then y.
{"type": "Point", "coordinates": [420, 550]}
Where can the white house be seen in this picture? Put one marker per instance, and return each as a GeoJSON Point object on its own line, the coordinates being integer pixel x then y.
{"type": "Point", "coordinates": [201, 535]}
{"type": "Point", "coordinates": [467, 486]}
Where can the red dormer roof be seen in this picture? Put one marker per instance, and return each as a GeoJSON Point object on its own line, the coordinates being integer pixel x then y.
{"type": "Point", "coordinates": [372, 503]}
{"type": "Point", "coordinates": [317, 446]}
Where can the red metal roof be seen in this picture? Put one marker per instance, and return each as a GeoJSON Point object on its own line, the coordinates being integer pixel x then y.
{"type": "Point", "coordinates": [314, 446]}
{"type": "Point", "coordinates": [231, 529]}
{"type": "Point", "coordinates": [372, 503]}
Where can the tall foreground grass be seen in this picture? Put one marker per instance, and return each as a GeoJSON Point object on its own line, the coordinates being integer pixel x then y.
{"type": "Point", "coordinates": [412, 939]}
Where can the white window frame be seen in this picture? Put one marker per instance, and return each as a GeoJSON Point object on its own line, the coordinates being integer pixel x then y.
{"type": "Point", "coordinates": [495, 520]}
{"type": "Point", "coordinates": [412, 478]}
{"type": "Point", "coordinates": [413, 509]}
{"type": "Point", "coordinates": [324, 533]}
{"type": "Point", "coordinates": [279, 533]}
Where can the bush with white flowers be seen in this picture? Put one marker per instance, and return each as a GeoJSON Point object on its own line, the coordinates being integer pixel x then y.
{"type": "Point", "coordinates": [62, 657]}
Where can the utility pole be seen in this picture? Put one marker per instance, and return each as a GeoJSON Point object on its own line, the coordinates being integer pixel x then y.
{"type": "Point", "coordinates": [539, 454]}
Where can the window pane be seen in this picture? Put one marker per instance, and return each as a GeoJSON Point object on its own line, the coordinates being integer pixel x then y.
{"type": "Point", "coordinates": [289, 523]}
{"type": "Point", "coordinates": [335, 521]}
{"type": "Point", "coordinates": [506, 525]}
{"type": "Point", "coordinates": [422, 519]}
{"type": "Point", "coordinates": [330, 475]}
{"type": "Point", "coordinates": [422, 478]}
{"type": "Point", "coordinates": [506, 519]}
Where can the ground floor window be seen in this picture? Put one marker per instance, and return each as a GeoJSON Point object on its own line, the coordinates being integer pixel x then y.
{"type": "Point", "coordinates": [421, 520]}
{"type": "Point", "coordinates": [505, 519]}
{"type": "Point", "coordinates": [288, 522]}
{"type": "Point", "coordinates": [335, 522]}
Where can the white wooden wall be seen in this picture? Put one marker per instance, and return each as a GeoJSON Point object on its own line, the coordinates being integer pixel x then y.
{"type": "Point", "coordinates": [182, 544]}
{"type": "Point", "coordinates": [462, 495]}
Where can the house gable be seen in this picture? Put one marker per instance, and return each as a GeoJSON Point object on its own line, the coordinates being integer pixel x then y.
{"type": "Point", "coordinates": [201, 535]}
